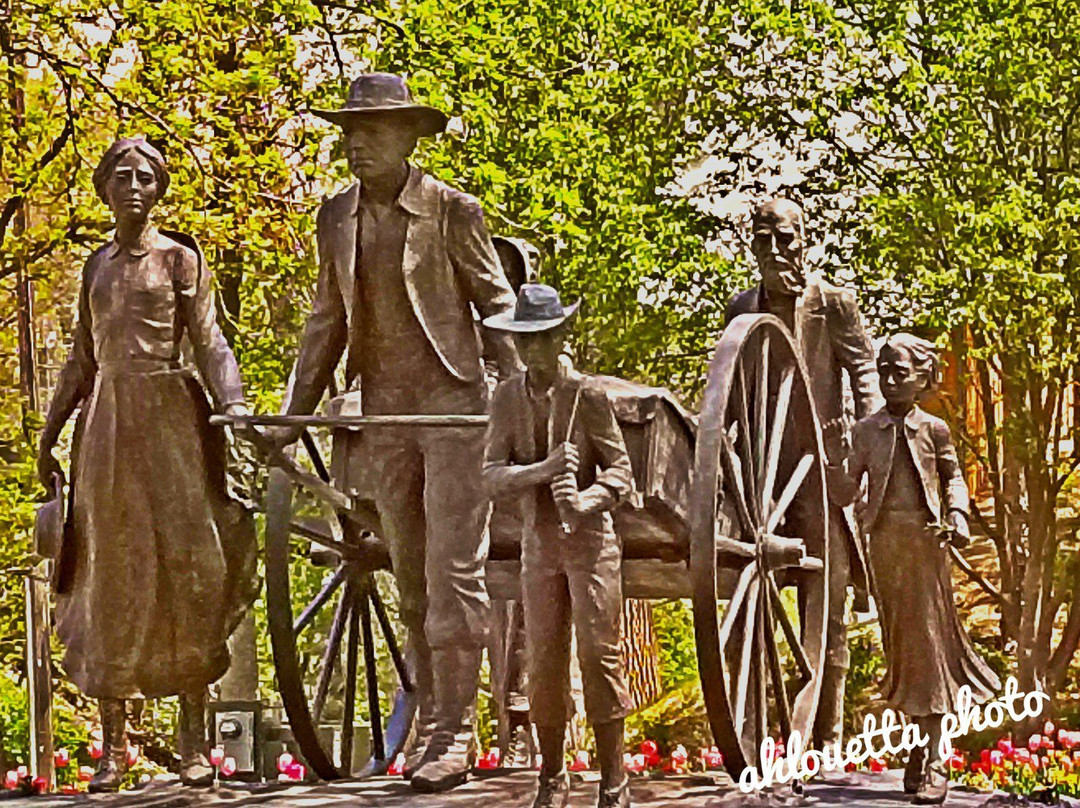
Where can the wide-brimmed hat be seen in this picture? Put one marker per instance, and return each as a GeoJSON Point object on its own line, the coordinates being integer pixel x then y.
{"type": "Point", "coordinates": [538, 309]}
{"type": "Point", "coordinates": [385, 94]}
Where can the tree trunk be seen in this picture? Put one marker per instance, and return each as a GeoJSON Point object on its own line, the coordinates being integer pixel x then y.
{"type": "Point", "coordinates": [641, 659]}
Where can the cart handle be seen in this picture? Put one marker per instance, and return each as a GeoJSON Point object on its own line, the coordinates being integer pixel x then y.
{"type": "Point", "coordinates": [351, 421]}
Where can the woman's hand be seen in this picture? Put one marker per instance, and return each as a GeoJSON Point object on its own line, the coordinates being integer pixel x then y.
{"type": "Point", "coordinates": [961, 532]}
{"type": "Point", "coordinates": [47, 467]}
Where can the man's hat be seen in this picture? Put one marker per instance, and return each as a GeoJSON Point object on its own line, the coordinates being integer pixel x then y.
{"type": "Point", "coordinates": [538, 309]}
{"type": "Point", "coordinates": [385, 94]}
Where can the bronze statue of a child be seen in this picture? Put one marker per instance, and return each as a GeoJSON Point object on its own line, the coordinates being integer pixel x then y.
{"type": "Point", "coordinates": [916, 502]}
{"type": "Point", "coordinates": [553, 441]}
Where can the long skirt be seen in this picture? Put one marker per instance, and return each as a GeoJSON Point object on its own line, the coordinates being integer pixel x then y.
{"type": "Point", "coordinates": [927, 652]}
{"type": "Point", "coordinates": [158, 563]}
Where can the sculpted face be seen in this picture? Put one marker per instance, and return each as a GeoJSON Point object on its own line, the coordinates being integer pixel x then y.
{"type": "Point", "coordinates": [377, 145]}
{"type": "Point", "coordinates": [901, 380]}
{"type": "Point", "coordinates": [540, 351]}
{"type": "Point", "coordinates": [132, 188]}
{"type": "Point", "coordinates": [778, 247]}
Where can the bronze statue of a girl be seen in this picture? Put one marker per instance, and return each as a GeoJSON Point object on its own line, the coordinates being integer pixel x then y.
{"type": "Point", "coordinates": [916, 501]}
{"type": "Point", "coordinates": [156, 569]}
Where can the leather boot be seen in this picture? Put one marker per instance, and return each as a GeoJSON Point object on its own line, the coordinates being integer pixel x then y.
{"type": "Point", "coordinates": [113, 766]}
{"type": "Point", "coordinates": [614, 784]}
{"type": "Point", "coordinates": [934, 788]}
{"type": "Point", "coordinates": [195, 769]}
{"type": "Point", "coordinates": [914, 770]}
{"type": "Point", "coordinates": [420, 668]}
{"type": "Point", "coordinates": [554, 786]}
{"type": "Point", "coordinates": [452, 751]}
{"type": "Point", "coordinates": [829, 723]}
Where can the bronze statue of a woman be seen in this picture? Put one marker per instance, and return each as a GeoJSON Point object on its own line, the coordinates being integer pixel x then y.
{"type": "Point", "coordinates": [156, 569]}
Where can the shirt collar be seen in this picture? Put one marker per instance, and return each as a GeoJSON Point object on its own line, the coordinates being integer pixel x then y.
{"type": "Point", "coordinates": [138, 249]}
{"type": "Point", "coordinates": [409, 198]}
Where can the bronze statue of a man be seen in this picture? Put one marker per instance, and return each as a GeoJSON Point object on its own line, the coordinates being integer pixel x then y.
{"type": "Point", "coordinates": [826, 324]}
{"type": "Point", "coordinates": [403, 260]}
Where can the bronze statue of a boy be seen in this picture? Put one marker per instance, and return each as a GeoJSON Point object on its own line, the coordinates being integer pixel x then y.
{"type": "Point", "coordinates": [159, 566]}
{"type": "Point", "coordinates": [403, 262]}
{"type": "Point", "coordinates": [554, 442]}
{"type": "Point", "coordinates": [916, 502]}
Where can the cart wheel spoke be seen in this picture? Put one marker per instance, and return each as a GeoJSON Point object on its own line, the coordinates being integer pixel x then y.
{"type": "Point", "coordinates": [787, 496]}
{"type": "Point", "coordinates": [760, 674]}
{"type": "Point", "coordinates": [331, 653]}
{"type": "Point", "coordinates": [776, 439]}
{"type": "Point", "coordinates": [747, 578]}
{"type": "Point", "coordinates": [802, 661]}
{"type": "Point", "coordinates": [348, 720]}
{"type": "Point", "coordinates": [311, 611]}
{"type": "Point", "coordinates": [761, 400]}
{"type": "Point", "coordinates": [734, 473]}
{"type": "Point", "coordinates": [776, 669]}
{"type": "Point", "coordinates": [743, 683]}
{"type": "Point", "coordinates": [372, 676]}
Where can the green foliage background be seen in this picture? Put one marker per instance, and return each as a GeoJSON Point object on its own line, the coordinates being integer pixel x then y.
{"type": "Point", "coordinates": [933, 146]}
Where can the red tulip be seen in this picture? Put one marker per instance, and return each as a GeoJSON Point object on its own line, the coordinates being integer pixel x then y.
{"type": "Point", "coordinates": [957, 762]}
{"type": "Point", "coordinates": [713, 759]}
{"type": "Point", "coordinates": [636, 763]}
{"type": "Point", "coordinates": [96, 750]}
{"type": "Point", "coordinates": [485, 762]}
{"type": "Point", "coordinates": [679, 756]}
{"type": "Point", "coordinates": [284, 761]}
{"type": "Point", "coordinates": [649, 748]}
{"type": "Point", "coordinates": [296, 771]}
{"type": "Point", "coordinates": [877, 765]}
{"type": "Point", "coordinates": [1035, 742]}
{"type": "Point", "coordinates": [1005, 745]}
{"type": "Point", "coordinates": [995, 758]}
{"type": "Point", "coordinates": [217, 756]}
{"type": "Point", "coordinates": [11, 779]}
{"type": "Point", "coordinates": [69, 788]}
{"type": "Point", "coordinates": [228, 767]}
{"type": "Point", "coordinates": [132, 755]}
{"type": "Point", "coordinates": [1048, 728]}
{"type": "Point", "coordinates": [850, 767]}
{"type": "Point", "coordinates": [86, 774]}
{"type": "Point", "coordinates": [62, 758]}
{"type": "Point", "coordinates": [395, 770]}
{"type": "Point", "coordinates": [580, 763]}
{"type": "Point", "coordinates": [41, 785]}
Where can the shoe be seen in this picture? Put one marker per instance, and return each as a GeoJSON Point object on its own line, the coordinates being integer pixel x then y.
{"type": "Point", "coordinates": [554, 791]}
{"type": "Point", "coordinates": [414, 758]}
{"type": "Point", "coordinates": [934, 788]}
{"type": "Point", "coordinates": [913, 771]}
{"type": "Point", "coordinates": [113, 766]}
{"type": "Point", "coordinates": [617, 797]}
{"type": "Point", "coordinates": [195, 769]}
{"type": "Point", "coordinates": [449, 757]}
{"type": "Point", "coordinates": [448, 760]}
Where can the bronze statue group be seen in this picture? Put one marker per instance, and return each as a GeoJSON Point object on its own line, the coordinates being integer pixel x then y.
{"type": "Point", "coordinates": [156, 567]}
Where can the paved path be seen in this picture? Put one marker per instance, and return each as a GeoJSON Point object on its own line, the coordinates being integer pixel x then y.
{"type": "Point", "coordinates": [509, 791]}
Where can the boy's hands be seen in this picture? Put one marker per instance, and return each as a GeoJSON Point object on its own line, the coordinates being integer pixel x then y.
{"type": "Point", "coordinates": [567, 497]}
{"type": "Point", "coordinates": [563, 460]}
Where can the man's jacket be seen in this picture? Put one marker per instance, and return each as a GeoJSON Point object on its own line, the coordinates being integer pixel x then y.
{"type": "Point", "coordinates": [832, 339]}
{"type": "Point", "coordinates": [940, 476]}
{"type": "Point", "coordinates": [449, 266]}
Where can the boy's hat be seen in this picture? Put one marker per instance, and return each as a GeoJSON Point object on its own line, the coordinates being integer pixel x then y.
{"type": "Point", "coordinates": [538, 309]}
